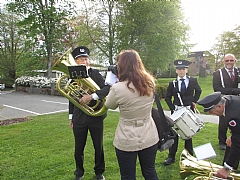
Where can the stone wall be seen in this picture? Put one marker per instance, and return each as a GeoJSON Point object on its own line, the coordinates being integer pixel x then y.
{"type": "Point", "coordinates": [35, 90]}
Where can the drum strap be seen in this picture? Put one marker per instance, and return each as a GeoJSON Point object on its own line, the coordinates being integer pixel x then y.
{"type": "Point", "coordinates": [178, 94]}
{"type": "Point", "coordinates": [221, 76]}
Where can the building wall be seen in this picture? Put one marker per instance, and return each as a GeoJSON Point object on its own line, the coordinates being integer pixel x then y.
{"type": "Point", "coordinates": [193, 69]}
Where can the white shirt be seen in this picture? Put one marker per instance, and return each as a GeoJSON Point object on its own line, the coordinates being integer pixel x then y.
{"type": "Point", "coordinates": [180, 82]}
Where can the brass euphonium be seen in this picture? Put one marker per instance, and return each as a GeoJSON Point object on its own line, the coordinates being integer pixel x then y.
{"type": "Point", "coordinates": [74, 89]}
{"type": "Point", "coordinates": [189, 165]}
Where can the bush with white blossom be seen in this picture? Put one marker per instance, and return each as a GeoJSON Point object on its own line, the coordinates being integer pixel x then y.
{"type": "Point", "coordinates": [37, 81]}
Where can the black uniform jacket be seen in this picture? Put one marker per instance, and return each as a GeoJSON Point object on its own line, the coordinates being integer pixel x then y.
{"type": "Point", "coordinates": [230, 86]}
{"type": "Point", "coordinates": [232, 117]}
{"type": "Point", "coordinates": [191, 94]}
{"type": "Point", "coordinates": [79, 117]}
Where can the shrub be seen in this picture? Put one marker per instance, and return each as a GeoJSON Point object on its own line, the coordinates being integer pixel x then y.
{"type": "Point", "coordinates": [37, 81]}
{"type": "Point", "coordinates": [7, 81]}
{"type": "Point", "coordinates": [161, 90]}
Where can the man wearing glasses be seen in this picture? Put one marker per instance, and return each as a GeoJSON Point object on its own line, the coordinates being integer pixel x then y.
{"type": "Point", "coordinates": [226, 81]}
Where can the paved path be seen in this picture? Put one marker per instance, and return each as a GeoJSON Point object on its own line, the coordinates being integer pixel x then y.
{"type": "Point", "coordinates": [21, 104]}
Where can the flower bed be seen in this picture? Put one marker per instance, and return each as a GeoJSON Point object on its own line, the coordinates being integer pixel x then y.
{"type": "Point", "coordinates": [36, 85]}
{"type": "Point", "coordinates": [36, 81]}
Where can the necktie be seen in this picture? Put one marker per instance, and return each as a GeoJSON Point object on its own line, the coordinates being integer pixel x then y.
{"type": "Point", "coordinates": [183, 86]}
{"type": "Point", "coordinates": [231, 75]}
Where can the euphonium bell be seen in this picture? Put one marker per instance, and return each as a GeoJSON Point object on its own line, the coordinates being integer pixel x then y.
{"type": "Point", "coordinates": [205, 170]}
{"type": "Point", "coordinates": [74, 89]}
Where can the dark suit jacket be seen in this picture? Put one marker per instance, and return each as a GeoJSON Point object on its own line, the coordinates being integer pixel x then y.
{"type": "Point", "coordinates": [232, 117]}
{"type": "Point", "coordinates": [191, 94]}
{"type": "Point", "coordinates": [79, 117]}
{"type": "Point", "coordinates": [231, 88]}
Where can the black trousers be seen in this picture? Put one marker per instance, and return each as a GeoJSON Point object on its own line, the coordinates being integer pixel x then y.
{"type": "Point", "coordinates": [222, 130]}
{"type": "Point", "coordinates": [235, 166]}
{"type": "Point", "coordinates": [127, 163]}
{"type": "Point", "coordinates": [187, 145]}
{"type": "Point", "coordinates": [80, 134]}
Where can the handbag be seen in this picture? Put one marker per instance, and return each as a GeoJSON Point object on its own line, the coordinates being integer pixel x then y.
{"type": "Point", "coordinates": [164, 126]}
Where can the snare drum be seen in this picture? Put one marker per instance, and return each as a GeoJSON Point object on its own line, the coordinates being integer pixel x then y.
{"type": "Point", "coordinates": [186, 123]}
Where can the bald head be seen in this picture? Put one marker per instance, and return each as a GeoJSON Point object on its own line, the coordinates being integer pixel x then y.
{"type": "Point", "coordinates": [229, 60]}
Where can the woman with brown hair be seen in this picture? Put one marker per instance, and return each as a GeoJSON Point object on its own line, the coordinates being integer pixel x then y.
{"type": "Point", "coordinates": [136, 134]}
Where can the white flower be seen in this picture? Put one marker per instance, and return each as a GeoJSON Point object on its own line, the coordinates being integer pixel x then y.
{"type": "Point", "coordinates": [36, 81]}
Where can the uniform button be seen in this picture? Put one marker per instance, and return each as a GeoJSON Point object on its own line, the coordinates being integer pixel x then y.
{"type": "Point", "coordinates": [140, 141]}
{"type": "Point", "coordinates": [139, 135]}
{"type": "Point", "coordinates": [139, 146]}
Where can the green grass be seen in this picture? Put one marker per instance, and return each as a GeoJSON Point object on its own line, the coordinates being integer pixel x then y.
{"type": "Point", "coordinates": [43, 149]}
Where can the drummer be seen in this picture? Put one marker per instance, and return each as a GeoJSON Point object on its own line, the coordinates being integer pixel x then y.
{"type": "Point", "coordinates": [185, 91]}
{"type": "Point", "coordinates": [227, 106]}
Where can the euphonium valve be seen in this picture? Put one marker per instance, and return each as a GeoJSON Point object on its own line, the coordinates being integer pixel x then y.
{"type": "Point", "coordinates": [74, 89]}
{"type": "Point", "coordinates": [205, 170]}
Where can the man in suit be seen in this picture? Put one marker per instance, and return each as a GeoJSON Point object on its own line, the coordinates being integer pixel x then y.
{"type": "Point", "coordinates": [81, 122]}
{"type": "Point", "coordinates": [189, 90]}
{"type": "Point", "coordinates": [225, 80]}
{"type": "Point", "coordinates": [227, 106]}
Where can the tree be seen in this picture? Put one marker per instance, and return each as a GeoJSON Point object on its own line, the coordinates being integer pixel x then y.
{"type": "Point", "coordinates": [100, 29]}
{"type": "Point", "coordinates": [43, 19]}
{"type": "Point", "coordinates": [10, 41]}
{"type": "Point", "coordinates": [228, 42]}
{"type": "Point", "coordinates": [155, 28]}
{"type": "Point", "coordinates": [17, 55]}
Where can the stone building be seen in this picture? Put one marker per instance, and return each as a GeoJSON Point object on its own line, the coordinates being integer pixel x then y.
{"type": "Point", "coordinates": [199, 65]}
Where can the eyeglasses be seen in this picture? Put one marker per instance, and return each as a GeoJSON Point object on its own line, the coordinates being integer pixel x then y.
{"type": "Point", "coordinates": [231, 60]}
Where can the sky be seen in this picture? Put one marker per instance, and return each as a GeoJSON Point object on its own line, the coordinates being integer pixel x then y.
{"type": "Point", "coordinates": [210, 18]}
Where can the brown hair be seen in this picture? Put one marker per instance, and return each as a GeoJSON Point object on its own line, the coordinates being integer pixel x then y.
{"type": "Point", "coordinates": [131, 69]}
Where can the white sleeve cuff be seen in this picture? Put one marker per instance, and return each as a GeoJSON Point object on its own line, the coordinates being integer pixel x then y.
{"type": "Point", "coordinates": [227, 166]}
{"type": "Point", "coordinates": [95, 96]}
{"type": "Point", "coordinates": [70, 116]}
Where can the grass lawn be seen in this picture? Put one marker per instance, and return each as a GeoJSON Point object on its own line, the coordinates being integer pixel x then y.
{"type": "Point", "coordinates": [43, 149]}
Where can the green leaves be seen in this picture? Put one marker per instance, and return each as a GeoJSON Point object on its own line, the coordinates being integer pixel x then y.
{"type": "Point", "coordinates": [155, 29]}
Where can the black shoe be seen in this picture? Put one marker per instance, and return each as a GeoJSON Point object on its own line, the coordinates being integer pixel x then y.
{"type": "Point", "coordinates": [79, 178]}
{"type": "Point", "coordinates": [222, 146]}
{"type": "Point", "coordinates": [100, 177]}
{"type": "Point", "coordinates": [169, 161]}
